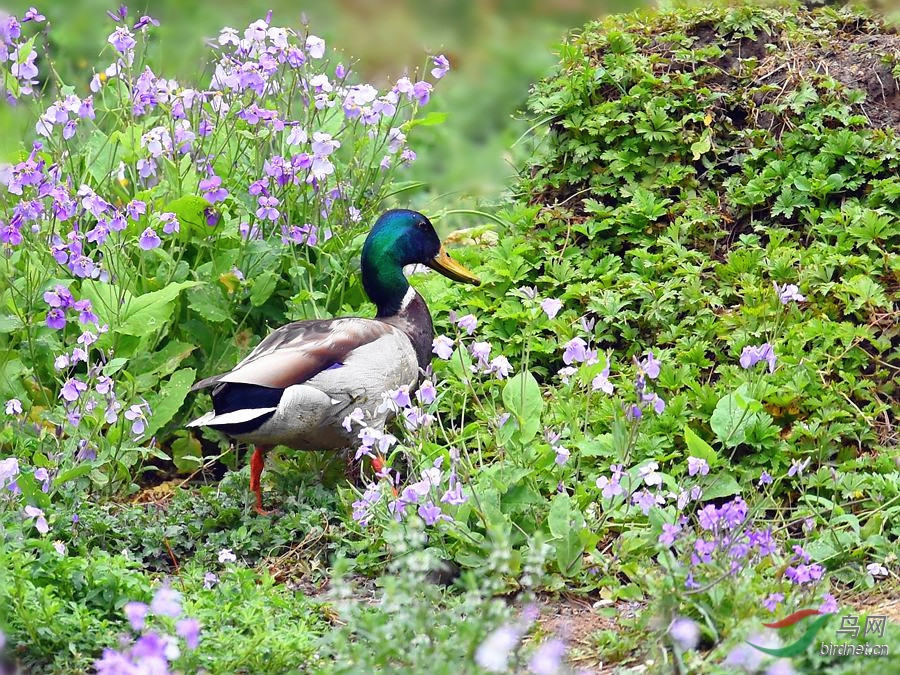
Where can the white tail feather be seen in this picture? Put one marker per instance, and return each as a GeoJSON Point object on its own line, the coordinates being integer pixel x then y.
{"type": "Point", "coordinates": [210, 419]}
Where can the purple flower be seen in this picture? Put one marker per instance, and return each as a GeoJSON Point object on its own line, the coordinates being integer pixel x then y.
{"type": "Point", "coordinates": [9, 469]}
{"type": "Point", "coordinates": [170, 222]}
{"type": "Point", "coordinates": [356, 416]}
{"type": "Point", "coordinates": [189, 629]}
{"type": "Point", "coordinates": [551, 307]}
{"type": "Point", "coordinates": [804, 574]}
{"type": "Point", "coordinates": [40, 522]}
{"type": "Point", "coordinates": [422, 92]}
{"type": "Point", "coordinates": [315, 47]}
{"type": "Point", "coordinates": [798, 467]}
{"type": "Point", "coordinates": [431, 513]}
{"type": "Point", "coordinates": [562, 454]}
{"type": "Point", "coordinates": [500, 366]}
{"type": "Point", "coordinates": [649, 366]}
{"type": "Point", "coordinates": [575, 351]}
{"type": "Point", "coordinates": [72, 389]}
{"type": "Point", "coordinates": [467, 323]}
{"type": "Point", "coordinates": [877, 569]}
{"type": "Point", "coordinates": [442, 346]}
{"type": "Point", "coordinates": [210, 579]}
{"type": "Point", "coordinates": [212, 189]}
{"type": "Point", "coordinates": [482, 352]}
{"type": "Point", "coordinates": [829, 604]}
{"type": "Point", "coordinates": [547, 658]}
{"type": "Point", "coordinates": [33, 15]}
{"type": "Point", "coordinates": [601, 382]}
{"type": "Point", "coordinates": [400, 397]}
{"type": "Point", "coordinates": [697, 466]}
{"type": "Point", "coordinates": [645, 500]}
{"type": "Point", "coordinates": [149, 239]}
{"type": "Point", "coordinates": [136, 613]}
{"type": "Point", "coordinates": [765, 478]}
{"type": "Point", "coordinates": [454, 494]}
{"type": "Point", "coordinates": [122, 39]}
{"type": "Point", "coordinates": [13, 407]}
{"type": "Point", "coordinates": [669, 533]}
{"type": "Point", "coordinates": [166, 602]}
{"type": "Point", "coordinates": [751, 355]}
{"type": "Point", "coordinates": [441, 66]}
{"type": "Point", "coordinates": [41, 474]}
{"type": "Point", "coordinates": [611, 486]}
{"type": "Point", "coordinates": [685, 633]}
{"type": "Point", "coordinates": [145, 21]}
{"type": "Point", "coordinates": [493, 653]}
{"type": "Point", "coordinates": [59, 298]}
{"type": "Point", "coordinates": [772, 601]}
{"type": "Point", "coordinates": [426, 393]}
{"type": "Point", "coordinates": [226, 555]}
{"type": "Point", "coordinates": [788, 293]}
{"type": "Point", "coordinates": [135, 414]}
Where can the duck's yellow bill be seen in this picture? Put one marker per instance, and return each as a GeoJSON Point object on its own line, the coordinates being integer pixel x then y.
{"type": "Point", "coordinates": [451, 269]}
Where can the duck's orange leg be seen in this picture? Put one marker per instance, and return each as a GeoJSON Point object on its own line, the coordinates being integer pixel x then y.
{"type": "Point", "coordinates": [257, 462]}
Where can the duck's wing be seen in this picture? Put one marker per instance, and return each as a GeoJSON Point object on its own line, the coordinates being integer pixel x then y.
{"type": "Point", "coordinates": [299, 351]}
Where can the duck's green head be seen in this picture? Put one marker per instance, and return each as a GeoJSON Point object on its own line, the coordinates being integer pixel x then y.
{"type": "Point", "coordinates": [402, 237]}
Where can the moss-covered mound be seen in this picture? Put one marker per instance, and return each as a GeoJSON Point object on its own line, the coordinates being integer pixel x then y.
{"type": "Point", "coordinates": [698, 157]}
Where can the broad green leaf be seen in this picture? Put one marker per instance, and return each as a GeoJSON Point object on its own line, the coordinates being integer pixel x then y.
{"type": "Point", "coordinates": [10, 323]}
{"type": "Point", "coordinates": [702, 146]}
{"type": "Point", "coordinates": [569, 553]}
{"type": "Point", "coordinates": [207, 301]}
{"type": "Point", "coordinates": [169, 399]}
{"type": "Point", "coordinates": [82, 469]}
{"type": "Point", "coordinates": [723, 485]}
{"type": "Point", "coordinates": [522, 398]}
{"type": "Point", "coordinates": [699, 448]}
{"type": "Point", "coordinates": [565, 524]}
{"type": "Point", "coordinates": [149, 312]}
{"type": "Point", "coordinates": [187, 453]}
{"type": "Point", "coordinates": [429, 120]}
{"type": "Point", "coordinates": [165, 360]}
{"type": "Point", "coordinates": [263, 287]}
{"type": "Point", "coordinates": [731, 418]}
{"type": "Point", "coordinates": [114, 366]}
{"type": "Point", "coordinates": [191, 212]}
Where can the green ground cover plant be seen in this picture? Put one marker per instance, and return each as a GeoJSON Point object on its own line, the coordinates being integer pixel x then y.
{"type": "Point", "coordinates": [675, 390]}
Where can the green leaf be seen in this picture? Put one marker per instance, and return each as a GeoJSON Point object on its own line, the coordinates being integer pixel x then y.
{"type": "Point", "coordinates": [114, 366]}
{"type": "Point", "coordinates": [191, 212]}
{"type": "Point", "coordinates": [430, 120]}
{"type": "Point", "coordinates": [163, 361]}
{"type": "Point", "coordinates": [187, 453]}
{"type": "Point", "coordinates": [169, 399]}
{"type": "Point", "coordinates": [731, 418]}
{"type": "Point", "coordinates": [565, 524]}
{"type": "Point", "coordinates": [569, 553]}
{"type": "Point", "coordinates": [82, 469]}
{"type": "Point", "coordinates": [263, 287]}
{"type": "Point", "coordinates": [723, 485]}
{"type": "Point", "coordinates": [10, 323]}
{"type": "Point", "coordinates": [699, 448]}
{"type": "Point", "coordinates": [702, 146]}
{"type": "Point", "coordinates": [208, 302]}
{"type": "Point", "coordinates": [149, 312]}
{"type": "Point", "coordinates": [522, 398]}
{"type": "Point", "coordinates": [560, 516]}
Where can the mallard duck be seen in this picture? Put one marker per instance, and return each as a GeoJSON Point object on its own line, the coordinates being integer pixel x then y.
{"type": "Point", "coordinates": [297, 386]}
